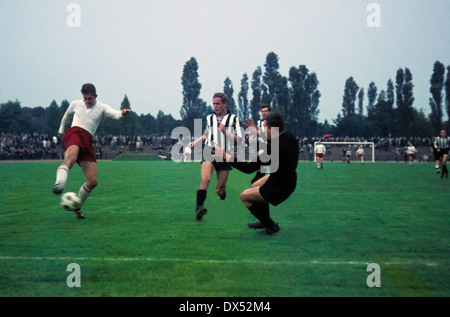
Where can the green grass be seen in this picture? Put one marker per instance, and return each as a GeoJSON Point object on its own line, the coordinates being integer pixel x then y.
{"type": "Point", "coordinates": [138, 157]}
{"type": "Point", "coordinates": [140, 236]}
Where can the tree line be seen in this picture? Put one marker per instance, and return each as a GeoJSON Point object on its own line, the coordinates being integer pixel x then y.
{"type": "Point", "coordinates": [388, 112]}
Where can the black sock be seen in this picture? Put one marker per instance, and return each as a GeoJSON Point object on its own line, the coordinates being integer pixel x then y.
{"type": "Point", "coordinates": [201, 197]}
{"type": "Point", "coordinates": [261, 212]}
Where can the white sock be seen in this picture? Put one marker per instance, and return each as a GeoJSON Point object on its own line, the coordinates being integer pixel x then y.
{"type": "Point", "coordinates": [84, 193]}
{"type": "Point", "coordinates": [61, 175]}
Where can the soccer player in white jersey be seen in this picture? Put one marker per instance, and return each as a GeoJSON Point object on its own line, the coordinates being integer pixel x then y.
{"type": "Point", "coordinates": [411, 151]}
{"type": "Point", "coordinates": [360, 153]}
{"type": "Point", "coordinates": [223, 128]}
{"type": "Point", "coordinates": [83, 117]}
{"type": "Point", "coordinates": [320, 153]}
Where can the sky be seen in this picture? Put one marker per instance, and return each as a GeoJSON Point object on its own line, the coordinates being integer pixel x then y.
{"type": "Point", "coordinates": [138, 48]}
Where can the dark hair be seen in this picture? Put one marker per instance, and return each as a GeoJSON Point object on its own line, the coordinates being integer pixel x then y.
{"type": "Point", "coordinates": [264, 106]}
{"type": "Point", "coordinates": [222, 97]}
{"type": "Point", "coordinates": [88, 89]}
{"type": "Point", "coordinates": [275, 120]}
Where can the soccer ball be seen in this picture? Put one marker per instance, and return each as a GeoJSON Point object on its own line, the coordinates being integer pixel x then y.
{"type": "Point", "coordinates": [70, 201]}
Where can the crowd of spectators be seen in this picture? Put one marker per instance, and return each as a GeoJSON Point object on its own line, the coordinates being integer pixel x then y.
{"type": "Point", "coordinates": [28, 146]}
{"type": "Point", "coordinates": [36, 146]}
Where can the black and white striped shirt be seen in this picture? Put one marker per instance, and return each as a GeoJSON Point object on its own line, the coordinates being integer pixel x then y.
{"type": "Point", "coordinates": [262, 131]}
{"type": "Point", "coordinates": [442, 143]}
{"type": "Point", "coordinates": [215, 135]}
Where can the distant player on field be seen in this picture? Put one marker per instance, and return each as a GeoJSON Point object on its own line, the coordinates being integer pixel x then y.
{"type": "Point", "coordinates": [275, 187]}
{"type": "Point", "coordinates": [83, 117]}
{"type": "Point", "coordinates": [441, 145]}
{"type": "Point", "coordinates": [411, 151]}
{"type": "Point", "coordinates": [360, 153]}
{"type": "Point", "coordinates": [348, 155]}
{"type": "Point", "coordinates": [221, 126]}
{"type": "Point", "coordinates": [436, 157]}
{"type": "Point", "coordinates": [320, 153]}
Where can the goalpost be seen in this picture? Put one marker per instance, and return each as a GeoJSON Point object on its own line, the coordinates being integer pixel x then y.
{"type": "Point", "coordinates": [348, 144]}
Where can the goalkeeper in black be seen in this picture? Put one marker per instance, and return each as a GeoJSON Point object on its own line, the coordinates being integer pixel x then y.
{"type": "Point", "coordinates": [275, 187]}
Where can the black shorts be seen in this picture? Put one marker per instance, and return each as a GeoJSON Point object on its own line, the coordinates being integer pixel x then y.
{"type": "Point", "coordinates": [219, 166]}
{"type": "Point", "coordinates": [439, 154]}
{"type": "Point", "coordinates": [275, 195]}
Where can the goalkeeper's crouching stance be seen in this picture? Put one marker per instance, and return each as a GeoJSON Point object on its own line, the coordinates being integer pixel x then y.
{"type": "Point", "coordinates": [275, 187]}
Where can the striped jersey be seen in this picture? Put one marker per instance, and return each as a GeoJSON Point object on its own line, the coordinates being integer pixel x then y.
{"type": "Point", "coordinates": [442, 143]}
{"type": "Point", "coordinates": [215, 135]}
{"type": "Point", "coordinates": [262, 130]}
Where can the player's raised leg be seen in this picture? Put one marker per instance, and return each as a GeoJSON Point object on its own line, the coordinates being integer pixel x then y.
{"type": "Point", "coordinates": [62, 173]}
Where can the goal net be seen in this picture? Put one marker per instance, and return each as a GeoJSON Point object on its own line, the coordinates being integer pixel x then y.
{"type": "Point", "coordinates": [337, 151]}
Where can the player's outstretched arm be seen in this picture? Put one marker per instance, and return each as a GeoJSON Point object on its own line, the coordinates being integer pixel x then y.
{"type": "Point", "coordinates": [200, 139]}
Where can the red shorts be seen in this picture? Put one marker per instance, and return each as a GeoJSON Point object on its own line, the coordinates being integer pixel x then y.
{"type": "Point", "coordinates": [82, 138]}
{"type": "Point", "coordinates": [411, 155]}
{"type": "Point", "coordinates": [319, 155]}
{"type": "Point", "coordinates": [360, 155]}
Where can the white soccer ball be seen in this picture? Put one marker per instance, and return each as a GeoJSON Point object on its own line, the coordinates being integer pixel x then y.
{"type": "Point", "coordinates": [70, 201]}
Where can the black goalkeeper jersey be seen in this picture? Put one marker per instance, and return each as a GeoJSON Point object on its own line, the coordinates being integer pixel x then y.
{"type": "Point", "coordinates": [286, 175]}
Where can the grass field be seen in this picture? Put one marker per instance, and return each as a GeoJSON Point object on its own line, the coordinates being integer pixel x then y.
{"type": "Point", "coordinates": [140, 236]}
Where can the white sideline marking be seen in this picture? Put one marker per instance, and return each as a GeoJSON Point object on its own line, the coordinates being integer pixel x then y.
{"type": "Point", "coordinates": [211, 261]}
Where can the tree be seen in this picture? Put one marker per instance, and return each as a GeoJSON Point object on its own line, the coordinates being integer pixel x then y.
{"type": "Point", "coordinates": [447, 97]}
{"type": "Point", "coordinates": [405, 99]}
{"type": "Point", "coordinates": [437, 84]}
{"type": "Point", "coordinates": [256, 92]}
{"type": "Point", "coordinates": [244, 110]}
{"type": "Point", "coordinates": [229, 90]}
{"type": "Point", "coordinates": [348, 101]}
{"type": "Point", "coordinates": [390, 96]}
{"type": "Point", "coordinates": [52, 118]}
{"type": "Point", "coordinates": [128, 124]}
{"type": "Point", "coordinates": [301, 115]}
{"type": "Point", "coordinates": [361, 102]}
{"type": "Point", "coordinates": [12, 118]}
{"type": "Point", "coordinates": [277, 93]}
{"type": "Point", "coordinates": [371, 96]}
{"type": "Point", "coordinates": [193, 107]}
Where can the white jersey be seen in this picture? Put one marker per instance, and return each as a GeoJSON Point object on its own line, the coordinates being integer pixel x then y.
{"type": "Point", "coordinates": [411, 150]}
{"type": "Point", "coordinates": [87, 118]}
{"type": "Point", "coordinates": [360, 152]}
{"type": "Point", "coordinates": [320, 148]}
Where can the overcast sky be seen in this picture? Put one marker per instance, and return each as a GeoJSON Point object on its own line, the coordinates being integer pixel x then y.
{"type": "Point", "coordinates": [139, 47]}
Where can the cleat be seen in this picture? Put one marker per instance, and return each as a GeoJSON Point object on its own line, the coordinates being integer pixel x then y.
{"type": "Point", "coordinates": [58, 189]}
{"type": "Point", "coordinates": [200, 211]}
{"type": "Point", "coordinates": [255, 225]}
{"type": "Point", "coordinates": [224, 195]}
{"type": "Point", "coordinates": [268, 231]}
{"type": "Point", "coordinates": [79, 213]}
